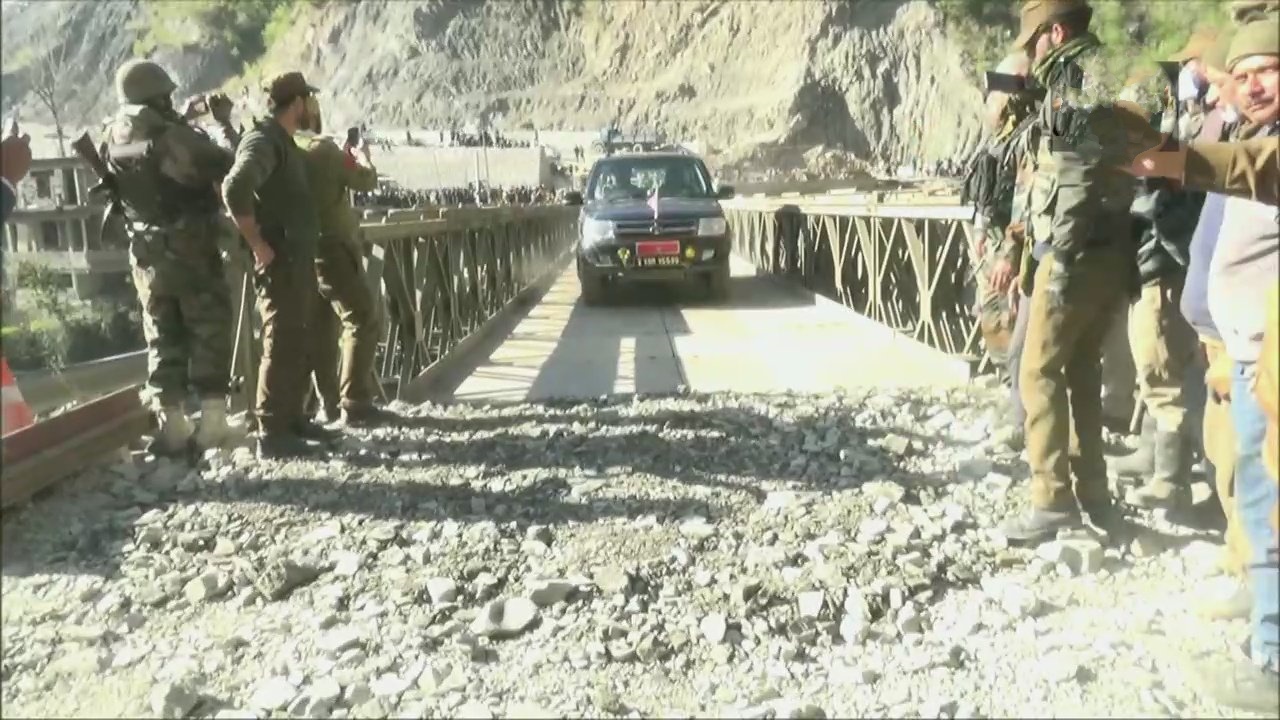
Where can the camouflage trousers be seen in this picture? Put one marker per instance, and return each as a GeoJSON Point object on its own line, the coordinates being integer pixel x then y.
{"type": "Point", "coordinates": [995, 312]}
{"type": "Point", "coordinates": [187, 317]}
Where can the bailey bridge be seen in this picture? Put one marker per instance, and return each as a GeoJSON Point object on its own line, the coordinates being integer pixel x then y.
{"type": "Point", "coordinates": [834, 291]}
{"type": "Point", "coordinates": [777, 505]}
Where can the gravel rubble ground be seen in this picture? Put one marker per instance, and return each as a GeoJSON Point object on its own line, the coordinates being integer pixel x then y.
{"type": "Point", "coordinates": [687, 556]}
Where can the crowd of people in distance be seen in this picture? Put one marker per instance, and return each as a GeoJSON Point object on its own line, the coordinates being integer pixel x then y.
{"type": "Point", "coordinates": [467, 196]}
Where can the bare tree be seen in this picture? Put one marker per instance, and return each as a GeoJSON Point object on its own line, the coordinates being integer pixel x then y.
{"type": "Point", "coordinates": [48, 74]}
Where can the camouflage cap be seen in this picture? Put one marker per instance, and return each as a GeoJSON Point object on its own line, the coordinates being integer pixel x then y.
{"type": "Point", "coordinates": [1197, 45]}
{"type": "Point", "coordinates": [1036, 14]}
{"type": "Point", "coordinates": [1260, 37]}
{"type": "Point", "coordinates": [284, 88]}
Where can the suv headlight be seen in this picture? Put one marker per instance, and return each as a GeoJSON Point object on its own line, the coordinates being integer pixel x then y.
{"type": "Point", "coordinates": [712, 227]}
{"type": "Point", "coordinates": [595, 231]}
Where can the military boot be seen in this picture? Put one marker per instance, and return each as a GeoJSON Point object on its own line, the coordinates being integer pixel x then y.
{"type": "Point", "coordinates": [276, 446]}
{"type": "Point", "coordinates": [174, 432]}
{"type": "Point", "coordinates": [1169, 485]}
{"type": "Point", "coordinates": [1036, 526]}
{"type": "Point", "coordinates": [1104, 516]}
{"type": "Point", "coordinates": [308, 430]}
{"type": "Point", "coordinates": [369, 416]}
{"type": "Point", "coordinates": [213, 430]}
{"type": "Point", "coordinates": [1140, 463]}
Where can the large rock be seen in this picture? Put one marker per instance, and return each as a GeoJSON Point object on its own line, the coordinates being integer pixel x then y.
{"type": "Point", "coordinates": [505, 618]}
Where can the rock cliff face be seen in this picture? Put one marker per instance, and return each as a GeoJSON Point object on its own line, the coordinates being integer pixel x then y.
{"type": "Point", "coordinates": [876, 78]}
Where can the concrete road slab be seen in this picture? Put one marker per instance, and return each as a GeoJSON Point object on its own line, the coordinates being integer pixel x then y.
{"type": "Point", "coordinates": [766, 338]}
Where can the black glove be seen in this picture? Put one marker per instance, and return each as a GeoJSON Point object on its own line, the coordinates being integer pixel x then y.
{"type": "Point", "coordinates": [1058, 280]}
{"type": "Point", "coordinates": [220, 107]}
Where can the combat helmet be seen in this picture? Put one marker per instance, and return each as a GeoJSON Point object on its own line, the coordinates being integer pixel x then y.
{"type": "Point", "coordinates": [138, 81]}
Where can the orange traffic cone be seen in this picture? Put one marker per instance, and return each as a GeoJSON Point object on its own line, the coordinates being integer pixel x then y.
{"type": "Point", "coordinates": [17, 414]}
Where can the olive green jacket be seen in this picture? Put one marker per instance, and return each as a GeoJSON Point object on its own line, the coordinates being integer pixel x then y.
{"type": "Point", "coordinates": [269, 181]}
{"type": "Point", "coordinates": [333, 174]}
{"type": "Point", "coordinates": [1247, 168]}
{"type": "Point", "coordinates": [1080, 197]}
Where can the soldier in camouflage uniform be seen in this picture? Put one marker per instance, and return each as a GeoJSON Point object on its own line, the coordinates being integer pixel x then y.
{"type": "Point", "coordinates": [988, 185]}
{"type": "Point", "coordinates": [165, 174]}
{"type": "Point", "coordinates": [1079, 212]}
{"type": "Point", "coordinates": [997, 185]}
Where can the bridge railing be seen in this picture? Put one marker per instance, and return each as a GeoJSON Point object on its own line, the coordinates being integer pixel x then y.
{"type": "Point", "coordinates": [436, 282]}
{"type": "Point", "coordinates": [900, 259]}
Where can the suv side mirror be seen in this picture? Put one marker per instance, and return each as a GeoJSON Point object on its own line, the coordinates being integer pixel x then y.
{"type": "Point", "coordinates": [725, 192]}
{"type": "Point", "coordinates": [572, 198]}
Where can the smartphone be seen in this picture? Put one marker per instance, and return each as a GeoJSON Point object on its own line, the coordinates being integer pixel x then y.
{"type": "Point", "coordinates": [353, 137]}
{"type": "Point", "coordinates": [1000, 82]}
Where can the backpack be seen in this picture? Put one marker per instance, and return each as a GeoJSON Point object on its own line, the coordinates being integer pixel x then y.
{"type": "Point", "coordinates": [147, 195]}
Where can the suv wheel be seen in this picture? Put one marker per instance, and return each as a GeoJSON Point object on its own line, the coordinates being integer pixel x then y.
{"type": "Point", "coordinates": [594, 290]}
{"type": "Point", "coordinates": [718, 284]}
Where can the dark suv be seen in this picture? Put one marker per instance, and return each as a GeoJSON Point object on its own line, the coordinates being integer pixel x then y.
{"type": "Point", "coordinates": [651, 217]}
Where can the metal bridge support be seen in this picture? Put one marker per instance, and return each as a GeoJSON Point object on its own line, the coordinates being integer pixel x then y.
{"type": "Point", "coordinates": [436, 282]}
{"type": "Point", "coordinates": [901, 261]}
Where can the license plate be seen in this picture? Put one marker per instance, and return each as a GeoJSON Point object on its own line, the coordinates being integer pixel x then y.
{"type": "Point", "coordinates": [659, 261]}
{"type": "Point", "coordinates": [655, 248]}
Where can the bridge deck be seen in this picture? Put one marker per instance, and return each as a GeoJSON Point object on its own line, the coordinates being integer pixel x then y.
{"type": "Point", "coordinates": [766, 338]}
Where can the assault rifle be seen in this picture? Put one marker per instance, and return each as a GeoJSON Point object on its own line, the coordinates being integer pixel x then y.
{"type": "Point", "coordinates": [106, 187]}
{"type": "Point", "coordinates": [106, 180]}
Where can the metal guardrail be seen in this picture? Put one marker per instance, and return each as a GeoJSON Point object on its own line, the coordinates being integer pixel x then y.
{"type": "Point", "coordinates": [897, 257]}
{"type": "Point", "coordinates": [901, 259]}
{"type": "Point", "coordinates": [47, 390]}
{"type": "Point", "coordinates": [437, 282]}
{"type": "Point", "coordinates": [40, 455]}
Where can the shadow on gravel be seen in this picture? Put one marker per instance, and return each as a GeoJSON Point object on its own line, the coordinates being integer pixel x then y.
{"type": "Point", "coordinates": [750, 292]}
{"type": "Point", "coordinates": [729, 449]}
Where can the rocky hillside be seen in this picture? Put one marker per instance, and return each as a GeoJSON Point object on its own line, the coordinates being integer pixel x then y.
{"type": "Point", "coordinates": [877, 79]}
{"type": "Point", "coordinates": [859, 76]}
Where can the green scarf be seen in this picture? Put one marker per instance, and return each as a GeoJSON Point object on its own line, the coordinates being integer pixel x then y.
{"type": "Point", "coordinates": [1050, 70]}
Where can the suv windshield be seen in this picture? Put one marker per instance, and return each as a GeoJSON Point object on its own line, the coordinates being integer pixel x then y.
{"type": "Point", "coordinates": [637, 178]}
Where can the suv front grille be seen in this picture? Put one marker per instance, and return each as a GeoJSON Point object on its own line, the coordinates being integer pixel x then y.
{"type": "Point", "coordinates": [666, 228]}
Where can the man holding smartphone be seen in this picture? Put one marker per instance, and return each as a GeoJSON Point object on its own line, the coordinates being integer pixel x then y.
{"type": "Point", "coordinates": [333, 174]}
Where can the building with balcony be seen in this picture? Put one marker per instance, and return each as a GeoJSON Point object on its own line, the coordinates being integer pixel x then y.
{"type": "Point", "coordinates": [58, 226]}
